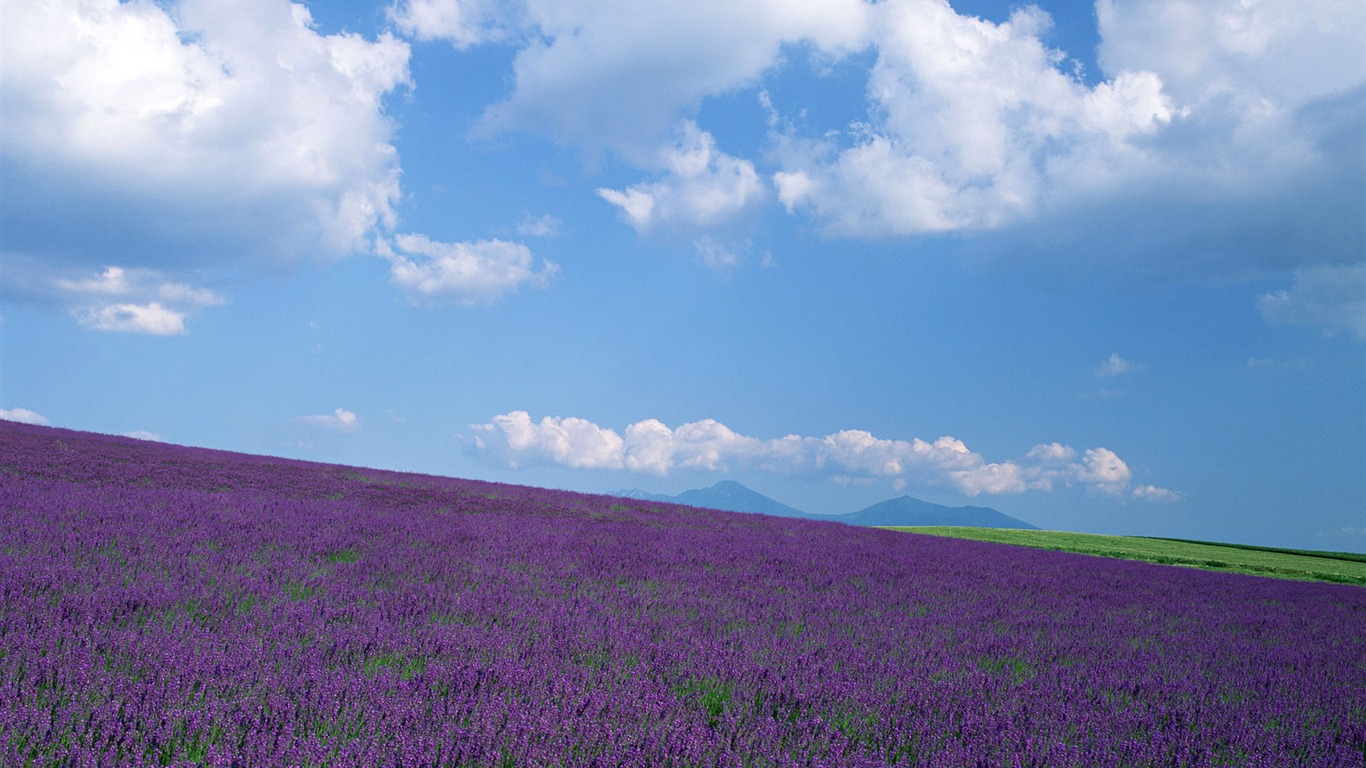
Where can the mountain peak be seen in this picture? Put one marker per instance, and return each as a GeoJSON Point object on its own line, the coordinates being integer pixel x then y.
{"type": "Point", "coordinates": [908, 510]}
{"type": "Point", "coordinates": [733, 496]}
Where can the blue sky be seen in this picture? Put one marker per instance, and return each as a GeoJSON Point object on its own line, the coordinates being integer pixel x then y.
{"type": "Point", "coordinates": [1101, 267]}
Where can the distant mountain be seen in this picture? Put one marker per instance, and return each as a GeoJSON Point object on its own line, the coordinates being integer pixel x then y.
{"type": "Point", "coordinates": [734, 497]}
{"type": "Point", "coordinates": [911, 511]}
{"type": "Point", "coordinates": [727, 495]}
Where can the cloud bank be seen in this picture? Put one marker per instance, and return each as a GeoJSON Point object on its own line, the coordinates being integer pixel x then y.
{"type": "Point", "coordinates": [848, 456]}
{"type": "Point", "coordinates": [1216, 139]}
{"type": "Point", "coordinates": [199, 119]}
{"type": "Point", "coordinates": [169, 139]}
{"type": "Point", "coordinates": [975, 125]}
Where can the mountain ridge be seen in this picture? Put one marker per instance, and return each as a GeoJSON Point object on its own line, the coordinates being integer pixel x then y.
{"type": "Point", "coordinates": [731, 496]}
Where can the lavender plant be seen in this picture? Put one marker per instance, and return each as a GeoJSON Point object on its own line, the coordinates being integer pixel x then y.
{"type": "Point", "coordinates": [172, 606]}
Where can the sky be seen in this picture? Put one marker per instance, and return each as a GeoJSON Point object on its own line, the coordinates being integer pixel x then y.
{"type": "Point", "coordinates": [1101, 267]}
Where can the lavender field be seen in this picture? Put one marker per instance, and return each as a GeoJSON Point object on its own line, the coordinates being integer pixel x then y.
{"type": "Point", "coordinates": [172, 606]}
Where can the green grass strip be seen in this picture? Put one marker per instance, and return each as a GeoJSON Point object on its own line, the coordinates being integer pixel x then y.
{"type": "Point", "coordinates": [1304, 565]}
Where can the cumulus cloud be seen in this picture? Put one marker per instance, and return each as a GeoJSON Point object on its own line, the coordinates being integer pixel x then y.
{"type": "Point", "coordinates": [23, 416]}
{"type": "Point", "coordinates": [621, 74]}
{"type": "Point", "coordinates": [194, 131]}
{"type": "Point", "coordinates": [340, 420]}
{"type": "Point", "coordinates": [847, 456]}
{"type": "Point", "coordinates": [114, 298]}
{"type": "Point", "coordinates": [1237, 125]}
{"type": "Point", "coordinates": [703, 187]}
{"type": "Point", "coordinates": [1332, 297]}
{"type": "Point", "coordinates": [462, 23]}
{"type": "Point", "coordinates": [1282, 50]}
{"type": "Point", "coordinates": [153, 304]}
{"type": "Point", "coordinates": [974, 126]}
{"type": "Point", "coordinates": [514, 439]}
{"type": "Point", "coordinates": [463, 273]}
{"type": "Point", "coordinates": [194, 135]}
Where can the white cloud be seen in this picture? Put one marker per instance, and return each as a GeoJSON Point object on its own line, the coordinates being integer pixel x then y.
{"type": "Point", "coordinates": [463, 273]}
{"type": "Point", "coordinates": [974, 125]}
{"type": "Point", "coordinates": [1333, 297]}
{"type": "Point", "coordinates": [23, 416]}
{"type": "Point", "coordinates": [1101, 469]}
{"type": "Point", "coordinates": [716, 255]}
{"type": "Point", "coordinates": [1225, 136]}
{"type": "Point", "coordinates": [119, 281]}
{"type": "Point", "coordinates": [142, 434]}
{"type": "Point", "coordinates": [340, 420]}
{"type": "Point", "coordinates": [1155, 494]}
{"type": "Point", "coordinates": [152, 319]}
{"type": "Point", "coordinates": [1283, 51]}
{"type": "Point", "coordinates": [620, 73]}
{"type": "Point", "coordinates": [114, 298]}
{"type": "Point", "coordinates": [462, 23]}
{"type": "Point", "coordinates": [514, 439]}
{"type": "Point", "coordinates": [703, 187]}
{"type": "Point", "coordinates": [847, 456]}
{"type": "Point", "coordinates": [539, 226]}
{"type": "Point", "coordinates": [194, 132]}
{"type": "Point", "coordinates": [1115, 365]}
{"type": "Point", "coordinates": [1237, 125]}
{"type": "Point", "coordinates": [1051, 453]}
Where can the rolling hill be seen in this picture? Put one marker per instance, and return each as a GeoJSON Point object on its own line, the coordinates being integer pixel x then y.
{"type": "Point", "coordinates": [186, 606]}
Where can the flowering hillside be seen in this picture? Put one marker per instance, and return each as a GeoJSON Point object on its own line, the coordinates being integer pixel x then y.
{"type": "Point", "coordinates": [171, 606]}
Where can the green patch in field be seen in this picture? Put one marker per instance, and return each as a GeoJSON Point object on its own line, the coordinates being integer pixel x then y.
{"type": "Point", "coordinates": [711, 694]}
{"type": "Point", "coordinates": [603, 658]}
{"type": "Point", "coordinates": [736, 627]}
{"type": "Point", "coordinates": [342, 556]}
{"type": "Point", "coordinates": [111, 553]}
{"type": "Point", "coordinates": [298, 591]}
{"type": "Point", "coordinates": [245, 604]}
{"type": "Point", "coordinates": [1018, 671]}
{"type": "Point", "coordinates": [407, 667]}
{"type": "Point", "coordinates": [860, 728]}
{"type": "Point", "coordinates": [190, 611]}
{"type": "Point", "coordinates": [454, 619]}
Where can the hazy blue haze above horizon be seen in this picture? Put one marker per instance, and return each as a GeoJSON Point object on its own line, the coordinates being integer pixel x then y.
{"type": "Point", "coordinates": [1100, 267]}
